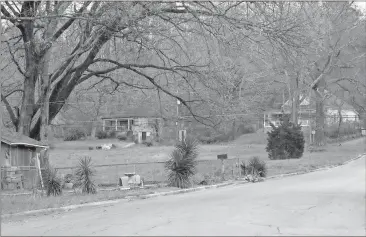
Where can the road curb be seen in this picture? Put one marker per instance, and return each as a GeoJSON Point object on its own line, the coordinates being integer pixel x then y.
{"type": "Point", "coordinates": [147, 196]}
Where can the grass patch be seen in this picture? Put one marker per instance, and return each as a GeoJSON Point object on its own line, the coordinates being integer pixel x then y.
{"type": "Point", "coordinates": [207, 159]}
{"type": "Point", "coordinates": [15, 204]}
{"type": "Point", "coordinates": [333, 155]}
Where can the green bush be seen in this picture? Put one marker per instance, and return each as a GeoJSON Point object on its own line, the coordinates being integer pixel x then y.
{"type": "Point", "coordinates": [215, 138]}
{"type": "Point", "coordinates": [182, 163]}
{"type": "Point", "coordinates": [255, 166]}
{"type": "Point", "coordinates": [111, 134]}
{"type": "Point", "coordinates": [285, 141]}
{"type": "Point", "coordinates": [101, 134]}
{"type": "Point", "coordinates": [129, 135]}
{"type": "Point", "coordinates": [69, 178]}
{"type": "Point", "coordinates": [52, 182]}
{"type": "Point", "coordinates": [148, 143]}
{"type": "Point", "coordinates": [122, 136]}
{"type": "Point", "coordinates": [245, 129]}
{"type": "Point", "coordinates": [74, 134]}
{"type": "Point", "coordinates": [84, 176]}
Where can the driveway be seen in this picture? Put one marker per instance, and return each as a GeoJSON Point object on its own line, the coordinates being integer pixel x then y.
{"type": "Point", "coordinates": [330, 202]}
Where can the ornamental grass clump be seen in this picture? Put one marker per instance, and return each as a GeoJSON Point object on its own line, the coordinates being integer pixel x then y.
{"type": "Point", "coordinates": [181, 166]}
{"type": "Point", "coordinates": [52, 182]}
{"type": "Point", "coordinates": [84, 176]}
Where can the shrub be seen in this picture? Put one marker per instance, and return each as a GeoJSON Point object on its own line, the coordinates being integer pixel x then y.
{"type": "Point", "coordinates": [52, 182]}
{"type": "Point", "coordinates": [74, 134]}
{"type": "Point", "coordinates": [245, 129]}
{"type": "Point", "coordinates": [135, 139]}
{"type": "Point", "coordinates": [206, 140]}
{"type": "Point", "coordinates": [243, 168]}
{"type": "Point", "coordinates": [101, 135]}
{"type": "Point", "coordinates": [344, 130]}
{"type": "Point", "coordinates": [129, 135]}
{"type": "Point", "coordinates": [257, 166]}
{"type": "Point", "coordinates": [182, 163]}
{"type": "Point", "coordinates": [68, 178]}
{"type": "Point", "coordinates": [122, 136]}
{"type": "Point", "coordinates": [111, 134]}
{"type": "Point", "coordinates": [285, 141]}
{"type": "Point", "coordinates": [148, 143]}
{"type": "Point", "coordinates": [84, 176]}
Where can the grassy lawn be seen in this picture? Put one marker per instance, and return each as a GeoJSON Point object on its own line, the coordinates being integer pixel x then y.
{"type": "Point", "coordinates": [242, 149]}
{"type": "Point", "coordinates": [15, 204]}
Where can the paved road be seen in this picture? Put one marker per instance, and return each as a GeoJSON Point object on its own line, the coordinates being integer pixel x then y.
{"type": "Point", "coordinates": [330, 202]}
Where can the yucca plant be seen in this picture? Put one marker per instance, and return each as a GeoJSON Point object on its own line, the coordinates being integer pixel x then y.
{"type": "Point", "coordinates": [257, 167]}
{"type": "Point", "coordinates": [182, 163]}
{"type": "Point", "coordinates": [243, 168]}
{"type": "Point", "coordinates": [84, 176]}
{"type": "Point", "coordinates": [52, 182]}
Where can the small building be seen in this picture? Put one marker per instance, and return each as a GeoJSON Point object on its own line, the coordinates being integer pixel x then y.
{"type": "Point", "coordinates": [144, 123]}
{"type": "Point", "coordinates": [18, 152]}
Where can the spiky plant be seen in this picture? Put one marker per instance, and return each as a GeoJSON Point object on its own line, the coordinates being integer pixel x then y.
{"type": "Point", "coordinates": [84, 176]}
{"type": "Point", "coordinates": [182, 163]}
{"type": "Point", "coordinates": [243, 168]}
{"type": "Point", "coordinates": [52, 182]}
{"type": "Point", "coordinates": [257, 167]}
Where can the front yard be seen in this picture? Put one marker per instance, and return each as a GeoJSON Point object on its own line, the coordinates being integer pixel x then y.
{"type": "Point", "coordinates": [333, 155]}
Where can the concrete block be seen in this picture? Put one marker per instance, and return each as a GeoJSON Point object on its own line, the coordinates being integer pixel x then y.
{"type": "Point", "coordinates": [123, 181]}
{"type": "Point", "coordinates": [136, 179]}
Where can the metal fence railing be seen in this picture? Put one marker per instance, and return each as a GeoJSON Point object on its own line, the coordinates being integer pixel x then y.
{"type": "Point", "coordinates": [154, 172]}
{"type": "Point", "coordinates": [26, 177]}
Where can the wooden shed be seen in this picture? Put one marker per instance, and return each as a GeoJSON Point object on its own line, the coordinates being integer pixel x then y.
{"type": "Point", "coordinates": [19, 152]}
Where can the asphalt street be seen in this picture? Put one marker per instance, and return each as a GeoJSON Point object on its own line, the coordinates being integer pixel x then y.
{"type": "Point", "coordinates": [330, 202]}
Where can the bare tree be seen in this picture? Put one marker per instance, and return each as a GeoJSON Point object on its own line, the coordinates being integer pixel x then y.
{"type": "Point", "coordinates": [61, 45]}
{"type": "Point", "coordinates": [330, 57]}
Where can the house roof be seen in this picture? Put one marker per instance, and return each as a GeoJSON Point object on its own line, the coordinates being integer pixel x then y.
{"type": "Point", "coordinates": [139, 112]}
{"type": "Point", "coordinates": [330, 103]}
{"type": "Point", "coordinates": [14, 138]}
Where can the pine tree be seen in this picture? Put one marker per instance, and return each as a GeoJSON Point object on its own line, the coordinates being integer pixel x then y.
{"type": "Point", "coordinates": [285, 141]}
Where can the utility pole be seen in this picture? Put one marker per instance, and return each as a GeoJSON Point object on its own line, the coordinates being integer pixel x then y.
{"type": "Point", "coordinates": [1, 104]}
{"type": "Point", "coordinates": [177, 123]}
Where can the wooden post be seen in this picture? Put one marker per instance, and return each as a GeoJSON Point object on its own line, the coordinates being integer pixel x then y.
{"type": "Point", "coordinates": [223, 169]}
{"type": "Point", "coordinates": [38, 165]}
{"type": "Point", "coordinates": [239, 168]}
{"type": "Point", "coordinates": [103, 125]}
{"type": "Point", "coordinates": [116, 125]}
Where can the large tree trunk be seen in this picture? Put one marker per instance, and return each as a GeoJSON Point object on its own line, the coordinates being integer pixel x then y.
{"type": "Point", "coordinates": [45, 80]}
{"type": "Point", "coordinates": [94, 129]}
{"type": "Point", "coordinates": [320, 115]}
{"type": "Point", "coordinates": [340, 121]}
{"type": "Point", "coordinates": [295, 110]}
{"type": "Point", "coordinates": [64, 87]}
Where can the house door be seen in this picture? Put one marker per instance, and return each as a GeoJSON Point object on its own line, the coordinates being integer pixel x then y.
{"type": "Point", "coordinates": [144, 136]}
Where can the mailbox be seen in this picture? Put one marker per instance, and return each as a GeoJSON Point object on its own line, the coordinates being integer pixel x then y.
{"type": "Point", "coordinates": [222, 157]}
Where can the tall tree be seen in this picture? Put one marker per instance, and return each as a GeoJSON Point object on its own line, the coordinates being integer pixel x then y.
{"type": "Point", "coordinates": [60, 45]}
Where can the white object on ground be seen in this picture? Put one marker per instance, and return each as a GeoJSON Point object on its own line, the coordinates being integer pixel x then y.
{"type": "Point", "coordinates": [129, 145]}
{"type": "Point", "coordinates": [107, 146]}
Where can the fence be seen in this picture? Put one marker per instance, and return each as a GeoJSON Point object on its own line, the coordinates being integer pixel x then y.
{"type": "Point", "coordinates": [154, 172]}
{"type": "Point", "coordinates": [30, 176]}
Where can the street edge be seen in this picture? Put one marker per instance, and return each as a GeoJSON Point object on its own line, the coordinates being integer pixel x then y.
{"type": "Point", "coordinates": [147, 196]}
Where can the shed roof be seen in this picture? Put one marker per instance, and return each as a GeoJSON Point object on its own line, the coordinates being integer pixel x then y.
{"type": "Point", "coordinates": [14, 138]}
